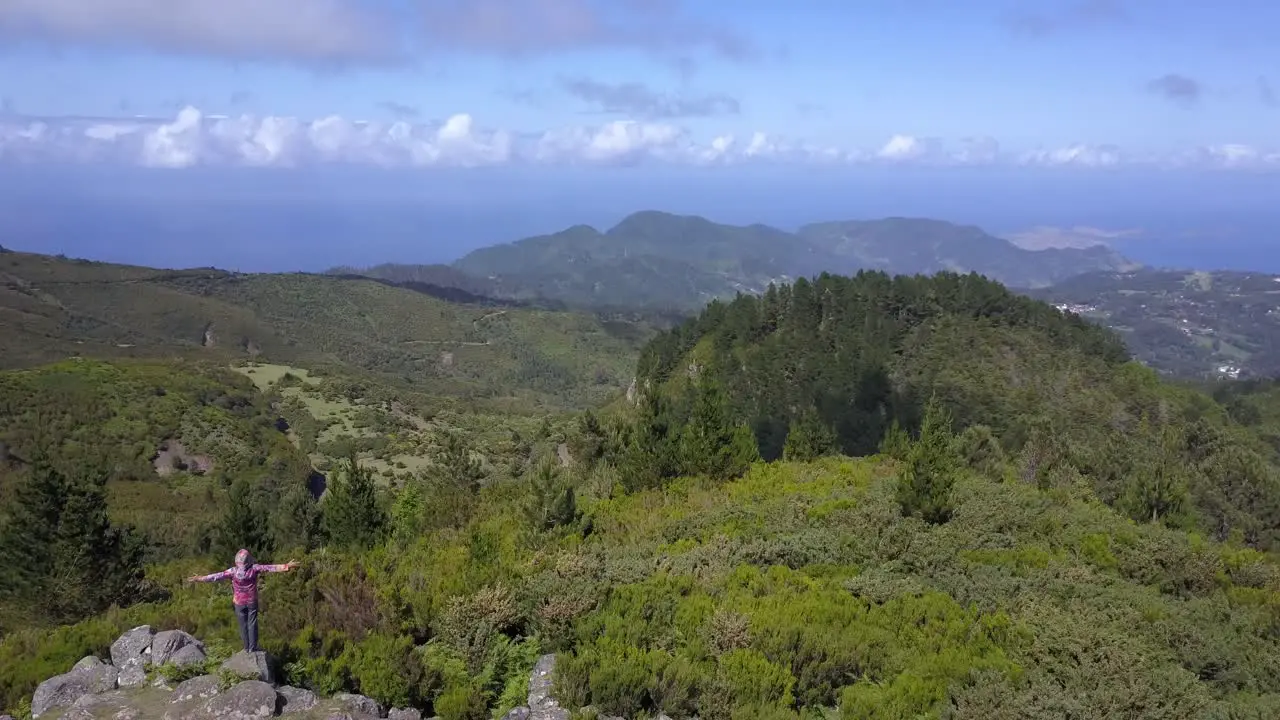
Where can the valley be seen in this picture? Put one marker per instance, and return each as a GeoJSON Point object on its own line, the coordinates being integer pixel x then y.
{"type": "Point", "coordinates": [1186, 324]}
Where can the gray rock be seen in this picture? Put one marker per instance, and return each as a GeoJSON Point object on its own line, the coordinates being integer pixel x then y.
{"type": "Point", "coordinates": [88, 662]}
{"type": "Point", "coordinates": [162, 683]}
{"type": "Point", "coordinates": [518, 713]}
{"type": "Point", "coordinates": [197, 688]}
{"type": "Point", "coordinates": [296, 700]}
{"type": "Point", "coordinates": [89, 676]}
{"type": "Point", "coordinates": [134, 644]}
{"type": "Point", "coordinates": [133, 672]}
{"type": "Point", "coordinates": [549, 711]}
{"type": "Point", "coordinates": [250, 665]}
{"type": "Point", "coordinates": [359, 704]}
{"type": "Point", "coordinates": [114, 704]}
{"type": "Point", "coordinates": [188, 655]}
{"type": "Point", "coordinates": [404, 714]}
{"type": "Point", "coordinates": [540, 680]}
{"type": "Point", "coordinates": [166, 645]}
{"type": "Point", "coordinates": [250, 700]}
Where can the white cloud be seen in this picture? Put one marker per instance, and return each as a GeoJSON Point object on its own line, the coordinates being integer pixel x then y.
{"type": "Point", "coordinates": [902, 147]}
{"type": "Point", "coordinates": [193, 138]}
{"type": "Point", "coordinates": [1079, 155]}
{"type": "Point", "coordinates": [312, 31]}
{"type": "Point", "coordinates": [977, 151]}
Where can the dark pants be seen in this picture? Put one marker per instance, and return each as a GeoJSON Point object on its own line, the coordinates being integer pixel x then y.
{"type": "Point", "coordinates": [247, 615]}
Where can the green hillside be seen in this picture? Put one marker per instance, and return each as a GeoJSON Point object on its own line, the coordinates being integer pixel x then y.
{"type": "Point", "coordinates": [655, 259]}
{"type": "Point", "coordinates": [913, 245]}
{"type": "Point", "coordinates": [505, 358]}
{"type": "Point", "coordinates": [856, 497]}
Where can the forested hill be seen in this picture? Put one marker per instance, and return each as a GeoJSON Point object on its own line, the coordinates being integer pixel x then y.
{"type": "Point", "coordinates": [845, 359]}
{"type": "Point", "coordinates": [654, 259]}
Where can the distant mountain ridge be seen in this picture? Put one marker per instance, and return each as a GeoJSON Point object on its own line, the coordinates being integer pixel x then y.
{"type": "Point", "coordinates": [654, 259]}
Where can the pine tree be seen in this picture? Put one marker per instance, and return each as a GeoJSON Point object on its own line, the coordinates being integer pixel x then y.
{"type": "Point", "coordinates": [245, 521]}
{"type": "Point", "coordinates": [896, 443]}
{"type": "Point", "coordinates": [1157, 489]}
{"type": "Point", "coordinates": [711, 443]}
{"type": "Point", "coordinates": [408, 512]}
{"type": "Point", "coordinates": [648, 454]}
{"type": "Point", "coordinates": [924, 487]}
{"type": "Point", "coordinates": [808, 438]}
{"type": "Point", "coordinates": [458, 466]}
{"type": "Point", "coordinates": [353, 517]}
{"type": "Point", "coordinates": [296, 523]}
{"type": "Point", "coordinates": [551, 502]}
{"type": "Point", "coordinates": [60, 556]}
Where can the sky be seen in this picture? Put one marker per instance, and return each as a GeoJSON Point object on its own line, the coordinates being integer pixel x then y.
{"type": "Point", "coordinates": [467, 105]}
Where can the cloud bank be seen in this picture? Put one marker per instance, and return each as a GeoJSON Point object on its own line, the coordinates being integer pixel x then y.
{"type": "Point", "coordinates": [193, 138]}
{"type": "Point", "coordinates": [356, 32]}
{"type": "Point", "coordinates": [306, 31]}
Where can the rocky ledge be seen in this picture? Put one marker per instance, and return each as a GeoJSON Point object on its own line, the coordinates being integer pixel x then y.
{"type": "Point", "coordinates": [134, 685]}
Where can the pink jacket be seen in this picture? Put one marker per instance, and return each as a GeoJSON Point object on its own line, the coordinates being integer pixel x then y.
{"type": "Point", "coordinates": [244, 578]}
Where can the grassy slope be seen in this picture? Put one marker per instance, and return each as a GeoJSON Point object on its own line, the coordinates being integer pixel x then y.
{"type": "Point", "coordinates": [507, 359]}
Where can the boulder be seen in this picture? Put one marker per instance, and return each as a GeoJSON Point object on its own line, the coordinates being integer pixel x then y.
{"type": "Point", "coordinates": [296, 700]}
{"type": "Point", "coordinates": [171, 646]}
{"type": "Point", "coordinates": [359, 704]}
{"type": "Point", "coordinates": [88, 662]}
{"type": "Point", "coordinates": [188, 655]}
{"type": "Point", "coordinates": [89, 676]}
{"type": "Point", "coordinates": [197, 688]}
{"type": "Point", "coordinates": [404, 714]}
{"type": "Point", "coordinates": [134, 644]}
{"type": "Point", "coordinates": [250, 665]}
{"type": "Point", "coordinates": [133, 672]}
{"type": "Point", "coordinates": [541, 680]}
{"type": "Point", "coordinates": [249, 700]}
{"type": "Point", "coordinates": [114, 704]}
{"type": "Point", "coordinates": [518, 713]}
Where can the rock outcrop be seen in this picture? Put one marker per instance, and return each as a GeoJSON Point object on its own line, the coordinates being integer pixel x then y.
{"type": "Point", "coordinates": [89, 676]}
{"type": "Point", "coordinates": [243, 687]}
{"type": "Point", "coordinates": [541, 705]}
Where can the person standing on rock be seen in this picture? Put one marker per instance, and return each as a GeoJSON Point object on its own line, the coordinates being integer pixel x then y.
{"type": "Point", "coordinates": [244, 588]}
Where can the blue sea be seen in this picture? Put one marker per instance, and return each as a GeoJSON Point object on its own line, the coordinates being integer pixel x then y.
{"type": "Point", "coordinates": [309, 220]}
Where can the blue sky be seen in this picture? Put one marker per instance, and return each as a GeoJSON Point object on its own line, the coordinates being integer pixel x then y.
{"type": "Point", "coordinates": [1039, 81]}
{"type": "Point", "coordinates": [294, 134]}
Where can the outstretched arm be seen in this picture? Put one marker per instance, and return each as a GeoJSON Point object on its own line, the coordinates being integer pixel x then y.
{"type": "Point", "coordinates": [214, 577]}
{"type": "Point", "coordinates": [284, 567]}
